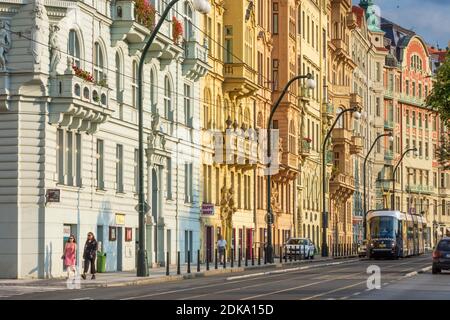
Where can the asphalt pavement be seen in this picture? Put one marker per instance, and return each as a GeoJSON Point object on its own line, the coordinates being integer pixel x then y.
{"type": "Point", "coordinates": [407, 278]}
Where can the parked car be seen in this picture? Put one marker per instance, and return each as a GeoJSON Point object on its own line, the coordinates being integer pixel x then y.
{"type": "Point", "coordinates": [362, 248]}
{"type": "Point", "coordinates": [441, 256]}
{"type": "Point", "coordinates": [300, 247]}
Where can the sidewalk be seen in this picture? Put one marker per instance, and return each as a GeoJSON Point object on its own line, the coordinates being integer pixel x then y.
{"type": "Point", "coordinates": [157, 275]}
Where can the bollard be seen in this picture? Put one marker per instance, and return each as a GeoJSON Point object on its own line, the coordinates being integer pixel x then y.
{"type": "Point", "coordinates": [167, 264]}
{"type": "Point", "coordinates": [281, 255]}
{"type": "Point", "coordinates": [265, 255]}
{"type": "Point", "coordinates": [259, 256]}
{"type": "Point", "coordinates": [215, 256]}
{"type": "Point", "coordinates": [296, 252]}
{"type": "Point", "coordinates": [253, 256]}
{"type": "Point", "coordinates": [240, 257]}
{"type": "Point", "coordinates": [198, 260]}
{"type": "Point", "coordinates": [290, 254]}
{"type": "Point", "coordinates": [189, 262]}
{"type": "Point", "coordinates": [178, 263]}
{"type": "Point", "coordinates": [285, 254]}
{"type": "Point", "coordinates": [246, 257]}
{"type": "Point", "coordinates": [232, 258]}
{"type": "Point", "coordinates": [224, 258]}
{"type": "Point", "coordinates": [207, 259]}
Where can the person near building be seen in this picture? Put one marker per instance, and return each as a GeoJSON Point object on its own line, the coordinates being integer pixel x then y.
{"type": "Point", "coordinates": [89, 255]}
{"type": "Point", "coordinates": [221, 247]}
{"type": "Point", "coordinates": [69, 255]}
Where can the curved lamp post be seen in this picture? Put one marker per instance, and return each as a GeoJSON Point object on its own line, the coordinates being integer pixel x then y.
{"type": "Point", "coordinates": [357, 115]}
{"type": "Point", "coordinates": [202, 6]}
{"type": "Point", "coordinates": [391, 138]}
{"type": "Point", "coordinates": [393, 175]}
{"type": "Point", "coordinates": [310, 84]}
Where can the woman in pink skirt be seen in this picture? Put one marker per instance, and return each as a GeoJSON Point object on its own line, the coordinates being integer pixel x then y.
{"type": "Point", "coordinates": [69, 256]}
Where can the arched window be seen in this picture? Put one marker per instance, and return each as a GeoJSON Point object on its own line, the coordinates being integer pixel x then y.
{"type": "Point", "coordinates": [134, 86]}
{"type": "Point", "coordinates": [340, 123]}
{"type": "Point", "coordinates": [168, 114]}
{"type": "Point", "coordinates": [98, 62]}
{"type": "Point", "coordinates": [74, 48]}
{"type": "Point", "coordinates": [188, 17]}
{"type": "Point", "coordinates": [220, 121]}
{"type": "Point", "coordinates": [118, 77]}
{"type": "Point", "coordinates": [292, 146]}
{"type": "Point", "coordinates": [153, 90]}
{"type": "Point", "coordinates": [207, 110]}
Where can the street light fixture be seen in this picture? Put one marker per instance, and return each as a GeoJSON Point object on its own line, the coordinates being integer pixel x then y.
{"type": "Point", "coordinates": [391, 139]}
{"type": "Point", "coordinates": [395, 171]}
{"type": "Point", "coordinates": [356, 115]}
{"type": "Point", "coordinates": [202, 6]}
{"type": "Point", "coordinates": [310, 84]}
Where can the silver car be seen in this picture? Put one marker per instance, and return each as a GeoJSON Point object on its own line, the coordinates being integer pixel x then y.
{"type": "Point", "coordinates": [300, 247]}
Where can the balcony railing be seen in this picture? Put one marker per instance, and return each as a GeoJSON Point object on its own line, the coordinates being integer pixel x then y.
{"type": "Point", "coordinates": [411, 100]}
{"type": "Point", "coordinates": [424, 189]}
{"type": "Point", "coordinates": [389, 155]}
{"type": "Point", "coordinates": [388, 125]}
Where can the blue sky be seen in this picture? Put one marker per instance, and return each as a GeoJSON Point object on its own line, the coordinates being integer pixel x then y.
{"type": "Point", "coordinates": [428, 18]}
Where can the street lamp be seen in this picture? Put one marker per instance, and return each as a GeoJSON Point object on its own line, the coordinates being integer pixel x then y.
{"type": "Point", "coordinates": [202, 6]}
{"type": "Point", "coordinates": [310, 84]}
{"type": "Point", "coordinates": [356, 115]}
{"type": "Point", "coordinates": [395, 171]}
{"type": "Point", "coordinates": [391, 138]}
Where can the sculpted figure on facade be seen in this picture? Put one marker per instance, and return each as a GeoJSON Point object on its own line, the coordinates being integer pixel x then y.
{"type": "Point", "coordinates": [55, 52]}
{"type": "Point", "coordinates": [36, 31]}
{"type": "Point", "coordinates": [5, 44]}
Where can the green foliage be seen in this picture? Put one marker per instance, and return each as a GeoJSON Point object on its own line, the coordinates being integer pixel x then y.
{"type": "Point", "coordinates": [439, 99]}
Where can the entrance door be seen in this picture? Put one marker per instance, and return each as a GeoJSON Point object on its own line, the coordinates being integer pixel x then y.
{"type": "Point", "coordinates": [119, 248]}
{"type": "Point", "coordinates": [209, 247]}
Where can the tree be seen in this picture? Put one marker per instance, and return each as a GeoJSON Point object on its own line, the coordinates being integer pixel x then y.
{"type": "Point", "coordinates": [439, 98]}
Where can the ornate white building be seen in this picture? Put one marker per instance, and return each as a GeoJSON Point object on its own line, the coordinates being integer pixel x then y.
{"type": "Point", "coordinates": [68, 121]}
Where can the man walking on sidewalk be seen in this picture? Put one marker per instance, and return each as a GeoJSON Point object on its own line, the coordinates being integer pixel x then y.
{"type": "Point", "coordinates": [221, 247]}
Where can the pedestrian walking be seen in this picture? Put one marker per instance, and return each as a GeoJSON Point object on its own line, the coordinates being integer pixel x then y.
{"type": "Point", "coordinates": [89, 255]}
{"type": "Point", "coordinates": [69, 255]}
{"type": "Point", "coordinates": [221, 246]}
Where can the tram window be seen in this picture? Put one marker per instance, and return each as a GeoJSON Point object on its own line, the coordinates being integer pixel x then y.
{"type": "Point", "coordinates": [444, 245]}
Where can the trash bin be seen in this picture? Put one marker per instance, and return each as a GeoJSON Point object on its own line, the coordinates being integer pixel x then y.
{"type": "Point", "coordinates": [101, 262]}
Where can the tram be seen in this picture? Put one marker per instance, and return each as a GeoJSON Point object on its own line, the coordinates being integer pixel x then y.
{"type": "Point", "coordinates": [395, 234]}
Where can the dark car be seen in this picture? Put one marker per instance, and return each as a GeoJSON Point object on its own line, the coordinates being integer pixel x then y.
{"type": "Point", "coordinates": [441, 256]}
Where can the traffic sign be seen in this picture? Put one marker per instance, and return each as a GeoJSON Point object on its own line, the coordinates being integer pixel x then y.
{"type": "Point", "coordinates": [146, 207]}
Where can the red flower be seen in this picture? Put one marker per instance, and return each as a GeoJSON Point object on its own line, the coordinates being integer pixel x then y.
{"type": "Point", "coordinates": [145, 13]}
{"type": "Point", "coordinates": [177, 29]}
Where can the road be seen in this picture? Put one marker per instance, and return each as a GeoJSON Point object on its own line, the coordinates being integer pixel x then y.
{"type": "Point", "coordinates": [317, 281]}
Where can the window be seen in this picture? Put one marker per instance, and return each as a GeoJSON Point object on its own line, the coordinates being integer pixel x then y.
{"type": "Point", "coordinates": [78, 166]}
{"type": "Point", "coordinates": [188, 192]}
{"type": "Point", "coordinates": [426, 121]}
{"type": "Point", "coordinates": [219, 41]}
{"type": "Point", "coordinates": [303, 24]}
{"type": "Point", "coordinates": [119, 168]}
{"type": "Point", "coordinates": [275, 23]}
{"type": "Point", "coordinates": [420, 119]}
{"type": "Point", "coordinates": [407, 87]}
{"type": "Point", "coordinates": [74, 48]}
{"type": "Point", "coordinates": [206, 110]}
{"type": "Point", "coordinates": [292, 144]}
{"type": "Point", "coordinates": [442, 180]}
{"type": "Point", "coordinates": [426, 150]}
{"type": "Point", "coordinates": [435, 179]}
{"type": "Point", "coordinates": [134, 86]}
{"type": "Point", "coordinates": [414, 88]}
{"type": "Point", "coordinates": [407, 118]}
{"type": "Point", "coordinates": [307, 27]}
{"type": "Point", "coordinates": [136, 170]}
{"type": "Point", "coordinates": [169, 179]}
{"type": "Point", "coordinates": [239, 191]}
{"type": "Point", "coordinates": [188, 29]}
{"type": "Point", "coordinates": [69, 158]}
{"type": "Point", "coordinates": [118, 78]}
{"type": "Point", "coordinates": [407, 143]}
{"type": "Point", "coordinates": [260, 68]}
{"type": "Point", "coordinates": [100, 165]}
{"type": "Point", "coordinates": [98, 62]}
{"type": "Point", "coordinates": [60, 155]}
{"type": "Point", "coordinates": [378, 107]}
{"type": "Point", "coordinates": [153, 90]}
{"type": "Point", "coordinates": [420, 90]}
{"type": "Point", "coordinates": [168, 113]}
{"type": "Point", "coordinates": [312, 37]}
{"type": "Point", "coordinates": [187, 106]}
{"type": "Point", "coordinates": [414, 118]}
{"type": "Point", "coordinates": [228, 44]}
{"type": "Point", "coordinates": [217, 184]}
{"type": "Point", "coordinates": [434, 151]}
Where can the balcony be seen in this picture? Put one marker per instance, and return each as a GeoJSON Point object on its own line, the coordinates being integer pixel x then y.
{"type": "Point", "coordinates": [341, 136]}
{"type": "Point", "coordinates": [328, 111]}
{"type": "Point", "coordinates": [421, 189]}
{"type": "Point", "coordinates": [342, 186]}
{"type": "Point", "coordinates": [389, 94]}
{"type": "Point", "coordinates": [356, 101]}
{"type": "Point", "coordinates": [305, 148]}
{"type": "Point", "coordinates": [127, 24]}
{"type": "Point", "coordinates": [78, 104]}
{"type": "Point", "coordinates": [240, 80]}
{"type": "Point", "coordinates": [357, 145]}
{"type": "Point", "coordinates": [195, 64]}
{"type": "Point", "coordinates": [388, 155]}
{"type": "Point", "coordinates": [305, 93]}
{"type": "Point", "coordinates": [388, 125]}
{"type": "Point", "coordinates": [409, 99]}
